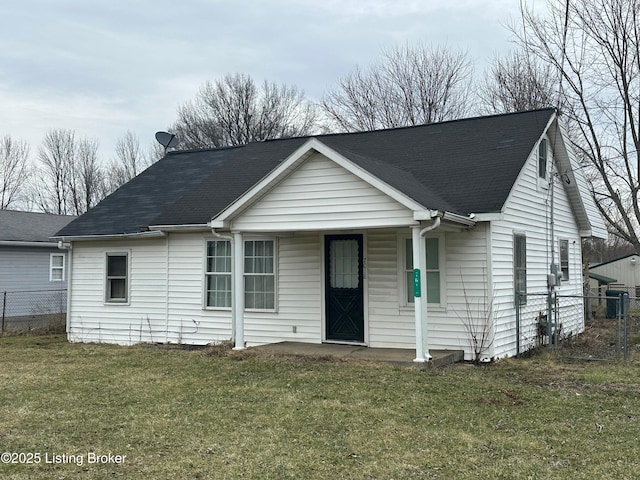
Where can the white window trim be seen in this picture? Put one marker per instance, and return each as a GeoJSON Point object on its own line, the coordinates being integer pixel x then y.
{"type": "Point", "coordinates": [275, 272]}
{"type": "Point", "coordinates": [107, 254]}
{"type": "Point", "coordinates": [205, 275]}
{"type": "Point", "coordinates": [252, 238]}
{"type": "Point", "coordinates": [52, 267]}
{"type": "Point", "coordinates": [402, 282]}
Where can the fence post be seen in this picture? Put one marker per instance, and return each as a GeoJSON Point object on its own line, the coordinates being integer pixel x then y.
{"type": "Point", "coordinates": [549, 319]}
{"type": "Point", "coordinates": [624, 306]}
{"type": "Point", "coordinates": [517, 323]}
{"type": "Point", "coordinates": [4, 307]}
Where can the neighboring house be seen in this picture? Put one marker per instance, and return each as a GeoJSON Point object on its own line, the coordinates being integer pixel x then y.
{"type": "Point", "coordinates": [625, 272]}
{"type": "Point", "coordinates": [316, 239]}
{"type": "Point", "coordinates": [30, 262]}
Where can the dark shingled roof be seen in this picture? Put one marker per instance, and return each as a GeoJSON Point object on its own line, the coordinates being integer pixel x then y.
{"type": "Point", "coordinates": [461, 166]}
{"type": "Point", "coordinates": [30, 226]}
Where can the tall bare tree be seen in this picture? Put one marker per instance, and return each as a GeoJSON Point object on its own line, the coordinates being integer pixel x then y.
{"type": "Point", "coordinates": [87, 179]}
{"type": "Point", "coordinates": [235, 111]}
{"type": "Point", "coordinates": [595, 45]}
{"type": "Point", "coordinates": [411, 85]}
{"type": "Point", "coordinates": [518, 82]}
{"type": "Point", "coordinates": [70, 179]}
{"type": "Point", "coordinates": [14, 170]}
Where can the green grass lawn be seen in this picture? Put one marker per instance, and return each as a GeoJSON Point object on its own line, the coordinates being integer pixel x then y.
{"type": "Point", "coordinates": [178, 413]}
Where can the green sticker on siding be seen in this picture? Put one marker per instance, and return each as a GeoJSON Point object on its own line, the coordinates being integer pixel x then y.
{"type": "Point", "coordinates": [416, 283]}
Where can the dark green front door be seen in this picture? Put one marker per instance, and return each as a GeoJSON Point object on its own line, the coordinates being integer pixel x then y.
{"type": "Point", "coordinates": [344, 293]}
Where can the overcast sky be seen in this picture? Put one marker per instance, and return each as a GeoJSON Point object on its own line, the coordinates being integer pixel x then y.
{"type": "Point", "coordinates": [104, 67]}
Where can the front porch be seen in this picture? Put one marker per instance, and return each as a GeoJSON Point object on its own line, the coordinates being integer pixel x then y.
{"type": "Point", "coordinates": [396, 356]}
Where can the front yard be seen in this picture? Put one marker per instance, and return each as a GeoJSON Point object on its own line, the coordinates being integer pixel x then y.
{"type": "Point", "coordinates": [102, 411]}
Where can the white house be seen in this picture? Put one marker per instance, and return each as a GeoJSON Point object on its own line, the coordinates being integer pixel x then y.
{"type": "Point", "coordinates": [381, 238]}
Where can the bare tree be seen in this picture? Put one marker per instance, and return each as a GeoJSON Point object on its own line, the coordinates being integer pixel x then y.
{"type": "Point", "coordinates": [518, 82]}
{"type": "Point", "coordinates": [86, 182]}
{"type": "Point", "coordinates": [234, 111]}
{"type": "Point", "coordinates": [14, 170]}
{"type": "Point", "coordinates": [70, 179]}
{"type": "Point", "coordinates": [56, 156]}
{"type": "Point", "coordinates": [594, 45]}
{"type": "Point", "coordinates": [411, 85]}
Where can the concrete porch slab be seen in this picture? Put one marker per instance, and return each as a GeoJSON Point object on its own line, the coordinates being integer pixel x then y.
{"type": "Point", "coordinates": [397, 356]}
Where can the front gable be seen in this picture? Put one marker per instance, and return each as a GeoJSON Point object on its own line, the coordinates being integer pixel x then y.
{"type": "Point", "coordinates": [320, 194]}
{"type": "Point", "coordinates": [318, 189]}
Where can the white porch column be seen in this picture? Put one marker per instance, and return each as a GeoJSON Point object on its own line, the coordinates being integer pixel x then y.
{"type": "Point", "coordinates": [420, 300]}
{"type": "Point", "coordinates": [238, 290]}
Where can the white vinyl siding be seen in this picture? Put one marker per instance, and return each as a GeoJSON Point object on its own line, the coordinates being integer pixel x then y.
{"type": "Point", "coordinates": [391, 321]}
{"type": "Point", "coordinates": [321, 195]}
{"type": "Point", "coordinates": [143, 318]}
{"type": "Point", "coordinates": [527, 210]}
{"type": "Point", "coordinates": [299, 294]}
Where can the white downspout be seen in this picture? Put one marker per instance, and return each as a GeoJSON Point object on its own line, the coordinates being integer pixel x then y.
{"type": "Point", "coordinates": [69, 265]}
{"type": "Point", "coordinates": [420, 302]}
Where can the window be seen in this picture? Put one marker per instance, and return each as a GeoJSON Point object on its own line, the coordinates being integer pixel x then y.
{"type": "Point", "coordinates": [432, 271]}
{"type": "Point", "coordinates": [117, 278]}
{"type": "Point", "coordinates": [345, 258]}
{"type": "Point", "coordinates": [542, 158]}
{"type": "Point", "coordinates": [564, 259]}
{"type": "Point", "coordinates": [56, 267]}
{"type": "Point", "coordinates": [259, 274]}
{"type": "Point", "coordinates": [218, 274]}
{"type": "Point", "coordinates": [520, 267]}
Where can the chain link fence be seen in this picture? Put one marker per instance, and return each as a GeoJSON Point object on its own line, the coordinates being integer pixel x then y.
{"type": "Point", "coordinates": [35, 310]}
{"type": "Point", "coordinates": [594, 326]}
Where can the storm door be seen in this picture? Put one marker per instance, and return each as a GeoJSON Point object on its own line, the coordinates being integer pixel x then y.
{"type": "Point", "coordinates": [344, 293]}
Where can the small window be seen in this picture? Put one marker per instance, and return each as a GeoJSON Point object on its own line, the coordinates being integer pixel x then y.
{"type": "Point", "coordinates": [520, 267]}
{"type": "Point", "coordinates": [218, 274]}
{"type": "Point", "coordinates": [56, 267]}
{"type": "Point", "coordinates": [564, 259]}
{"type": "Point", "coordinates": [259, 275]}
{"type": "Point", "coordinates": [542, 158]}
{"type": "Point", "coordinates": [117, 278]}
{"type": "Point", "coordinates": [432, 271]}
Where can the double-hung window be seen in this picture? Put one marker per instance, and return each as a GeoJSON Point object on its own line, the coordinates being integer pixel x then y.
{"type": "Point", "coordinates": [259, 274]}
{"type": "Point", "coordinates": [56, 267]}
{"type": "Point", "coordinates": [433, 271]}
{"type": "Point", "coordinates": [520, 267]}
{"type": "Point", "coordinates": [117, 288]}
{"type": "Point", "coordinates": [218, 274]}
{"type": "Point", "coordinates": [564, 259]}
